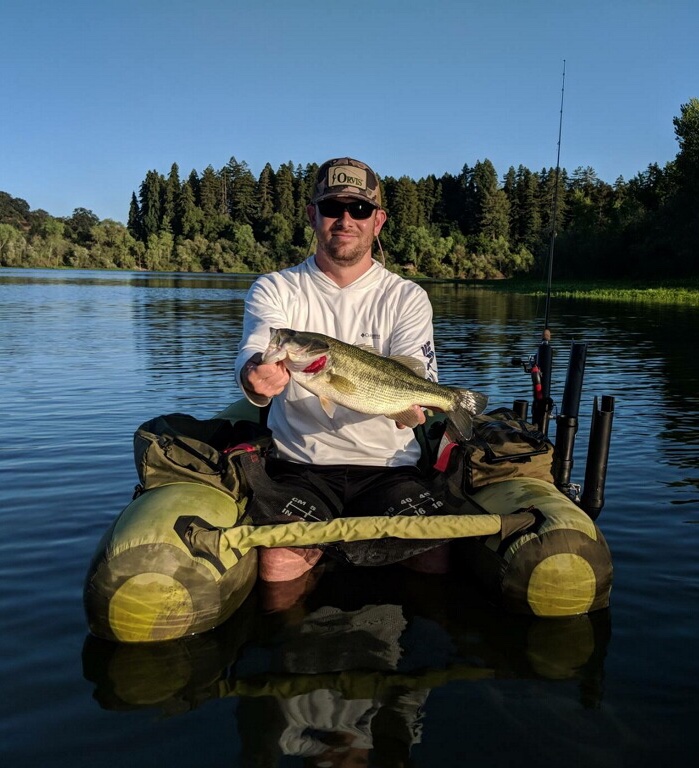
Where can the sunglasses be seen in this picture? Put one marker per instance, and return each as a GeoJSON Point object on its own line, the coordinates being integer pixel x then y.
{"type": "Point", "coordinates": [334, 209]}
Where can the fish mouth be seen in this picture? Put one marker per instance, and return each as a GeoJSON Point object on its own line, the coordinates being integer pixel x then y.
{"type": "Point", "coordinates": [275, 349]}
{"type": "Point", "coordinates": [273, 354]}
{"type": "Point", "coordinates": [289, 345]}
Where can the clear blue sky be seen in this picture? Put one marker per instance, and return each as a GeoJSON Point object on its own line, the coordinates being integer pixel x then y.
{"type": "Point", "coordinates": [95, 93]}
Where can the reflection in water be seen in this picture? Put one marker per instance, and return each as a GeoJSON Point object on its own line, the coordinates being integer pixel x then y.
{"type": "Point", "coordinates": [346, 673]}
{"type": "Point", "coordinates": [106, 279]}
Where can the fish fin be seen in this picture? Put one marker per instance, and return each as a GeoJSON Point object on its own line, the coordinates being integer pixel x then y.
{"type": "Point", "coordinates": [411, 363]}
{"type": "Point", "coordinates": [341, 384]}
{"type": "Point", "coordinates": [328, 406]}
{"type": "Point", "coordinates": [407, 417]}
{"type": "Point", "coordinates": [462, 421]}
{"type": "Point", "coordinates": [470, 405]}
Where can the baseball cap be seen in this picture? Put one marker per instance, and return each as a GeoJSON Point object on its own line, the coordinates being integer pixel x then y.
{"type": "Point", "coordinates": [346, 177]}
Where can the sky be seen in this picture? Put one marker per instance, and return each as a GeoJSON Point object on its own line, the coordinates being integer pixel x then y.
{"type": "Point", "coordinates": [95, 93]}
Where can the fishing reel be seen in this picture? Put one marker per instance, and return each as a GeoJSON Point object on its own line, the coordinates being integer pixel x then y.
{"type": "Point", "coordinates": [537, 367]}
{"type": "Point", "coordinates": [527, 363]}
{"type": "Point", "coordinates": [531, 366]}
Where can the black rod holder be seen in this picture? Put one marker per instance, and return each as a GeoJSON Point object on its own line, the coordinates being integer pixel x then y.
{"type": "Point", "coordinates": [562, 463]}
{"type": "Point", "coordinates": [521, 408]}
{"type": "Point", "coordinates": [567, 421]}
{"type": "Point", "coordinates": [570, 405]}
{"type": "Point", "coordinates": [542, 404]}
{"type": "Point", "coordinates": [592, 499]}
{"type": "Point", "coordinates": [544, 359]}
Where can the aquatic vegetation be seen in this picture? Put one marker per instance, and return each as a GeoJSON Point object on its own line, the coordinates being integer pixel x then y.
{"type": "Point", "coordinates": [685, 292]}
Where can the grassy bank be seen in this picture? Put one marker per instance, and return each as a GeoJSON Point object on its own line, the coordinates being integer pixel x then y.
{"type": "Point", "coordinates": [660, 292]}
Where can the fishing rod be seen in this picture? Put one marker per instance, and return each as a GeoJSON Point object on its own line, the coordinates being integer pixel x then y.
{"type": "Point", "coordinates": [567, 419]}
{"type": "Point", "coordinates": [592, 499]}
{"type": "Point", "coordinates": [541, 365]}
{"type": "Point", "coordinates": [554, 213]}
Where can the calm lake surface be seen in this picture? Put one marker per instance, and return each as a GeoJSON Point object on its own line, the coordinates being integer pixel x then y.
{"type": "Point", "coordinates": [88, 356]}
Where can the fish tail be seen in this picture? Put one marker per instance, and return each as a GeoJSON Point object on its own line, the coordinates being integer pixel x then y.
{"type": "Point", "coordinates": [469, 404]}
{"type": "Point", "coordinates": [473, 402]}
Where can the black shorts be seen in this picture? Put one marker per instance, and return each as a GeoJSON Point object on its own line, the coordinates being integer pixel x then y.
{"type": "Point", "coordinates": [291, 491]}
{"type": "Point", "coordinates": [329, 491]}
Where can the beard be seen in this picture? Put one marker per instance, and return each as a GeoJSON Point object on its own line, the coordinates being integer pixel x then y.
{"type": "Point", "coordinates": [346, 253]}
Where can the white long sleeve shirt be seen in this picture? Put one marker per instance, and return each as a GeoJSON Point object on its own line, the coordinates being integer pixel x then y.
{"type": "Point", "coordinates": [380, 309]}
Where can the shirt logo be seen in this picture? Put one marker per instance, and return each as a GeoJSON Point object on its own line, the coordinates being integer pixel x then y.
{"type": "Point", "coordinates": [428, 352]}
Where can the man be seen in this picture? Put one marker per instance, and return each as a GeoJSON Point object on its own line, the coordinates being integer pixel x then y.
{"type": "Point", "coordinates": [350, 464]}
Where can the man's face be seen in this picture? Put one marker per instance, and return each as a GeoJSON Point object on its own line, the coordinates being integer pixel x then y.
{"type": "Point", "coordinates": [343, 239]}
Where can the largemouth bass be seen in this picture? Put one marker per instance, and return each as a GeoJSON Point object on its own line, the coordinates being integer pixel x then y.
{"type": "Point", "coordinates": [361, 379]}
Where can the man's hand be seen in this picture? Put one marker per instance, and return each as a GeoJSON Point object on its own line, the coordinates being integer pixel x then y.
{"type": "Point", "coordinates": [420, 415]}
{"type": "Point", "coordinates": [266, 379]}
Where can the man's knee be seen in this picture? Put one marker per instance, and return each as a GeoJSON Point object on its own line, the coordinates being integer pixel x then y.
{"type": "Point", "coordinates": [286, 563]}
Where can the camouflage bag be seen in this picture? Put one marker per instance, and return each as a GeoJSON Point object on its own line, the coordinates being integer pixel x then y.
{"type": "Point", "coordinates": [179, 448]}
{"type": "Point", "coordinates": [502, 447]}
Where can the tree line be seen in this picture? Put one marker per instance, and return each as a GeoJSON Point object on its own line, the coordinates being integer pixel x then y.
{"type": "Point", "coordinates": [468, 225]}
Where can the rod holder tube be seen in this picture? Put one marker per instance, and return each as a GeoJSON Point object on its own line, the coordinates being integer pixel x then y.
{"type": "Point", "coordinates": [562, 463]}
{"type": "Point", "coordinates": [541, 413]}
{"type": "Point", "coordinates": [570, 405]}
{"type": "Point", "coordinates": [567, 421]}
{"type": "Point", "coordinates": [544, 359]}
{"type": "Point", "coordinates": [521, 408]}
{"type": "Point", "coordinates": [592, 499]}
{"type": "Point", "coordinates": [542, 404]}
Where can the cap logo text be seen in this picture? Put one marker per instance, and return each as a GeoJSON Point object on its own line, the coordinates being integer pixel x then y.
{"type": "Point", "coordinates": [347, 176]}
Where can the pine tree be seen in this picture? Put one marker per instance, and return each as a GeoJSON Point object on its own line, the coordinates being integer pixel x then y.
{"type": "Point", "coordinates": [242, 203]}
{"type": "Point", "coordinates": [589, 200]}
{"type": "Point", "coordinates": [405, 205]}
{"type": "Point", "coordinates": [509, 187]}
{"type": "Point", "coordinates": [427, 194]}
{"type": "Point", "coordinates": [284, 193]}
{"type": "Point", "coordinates": [264, 193]}
{"type": "Point", "coordinates": [547, 196]}
{"type": "Point", "coordinates": [304, 183]}
{"type": "Point", "coordinates": [188, 216]}
{"type": "Point", "coordinates": [686, 165]}
{"type": "Point", "coordinates": [491, 204]}
{"type": "Point", "coordinates": [527, 223]}
{"type": "Point", "coordinates": [134, 221]}
{"type": "Point", "coordinates": [466, 200]}
{"type": "Point", "coordinates": [210, 194]}
{"type": "Point", "coordinates": [195, 185]}
{"type": "Point", "coordinates": [150, 204]}
{"type": "Point", "coordinates": [450, 202]}
{"type": "Point", "coordinates": [171, 191]}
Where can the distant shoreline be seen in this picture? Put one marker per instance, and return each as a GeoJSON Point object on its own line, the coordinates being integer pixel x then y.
{"type": "Point", "coordinates": [675, 291]}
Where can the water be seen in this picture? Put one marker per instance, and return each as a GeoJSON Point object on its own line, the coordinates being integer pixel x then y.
{"type": "Point", "coordinates": [87, 356]}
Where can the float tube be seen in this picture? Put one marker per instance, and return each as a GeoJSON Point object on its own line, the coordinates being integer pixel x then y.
{"type": "Point", "coordinates": [178, 560]}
